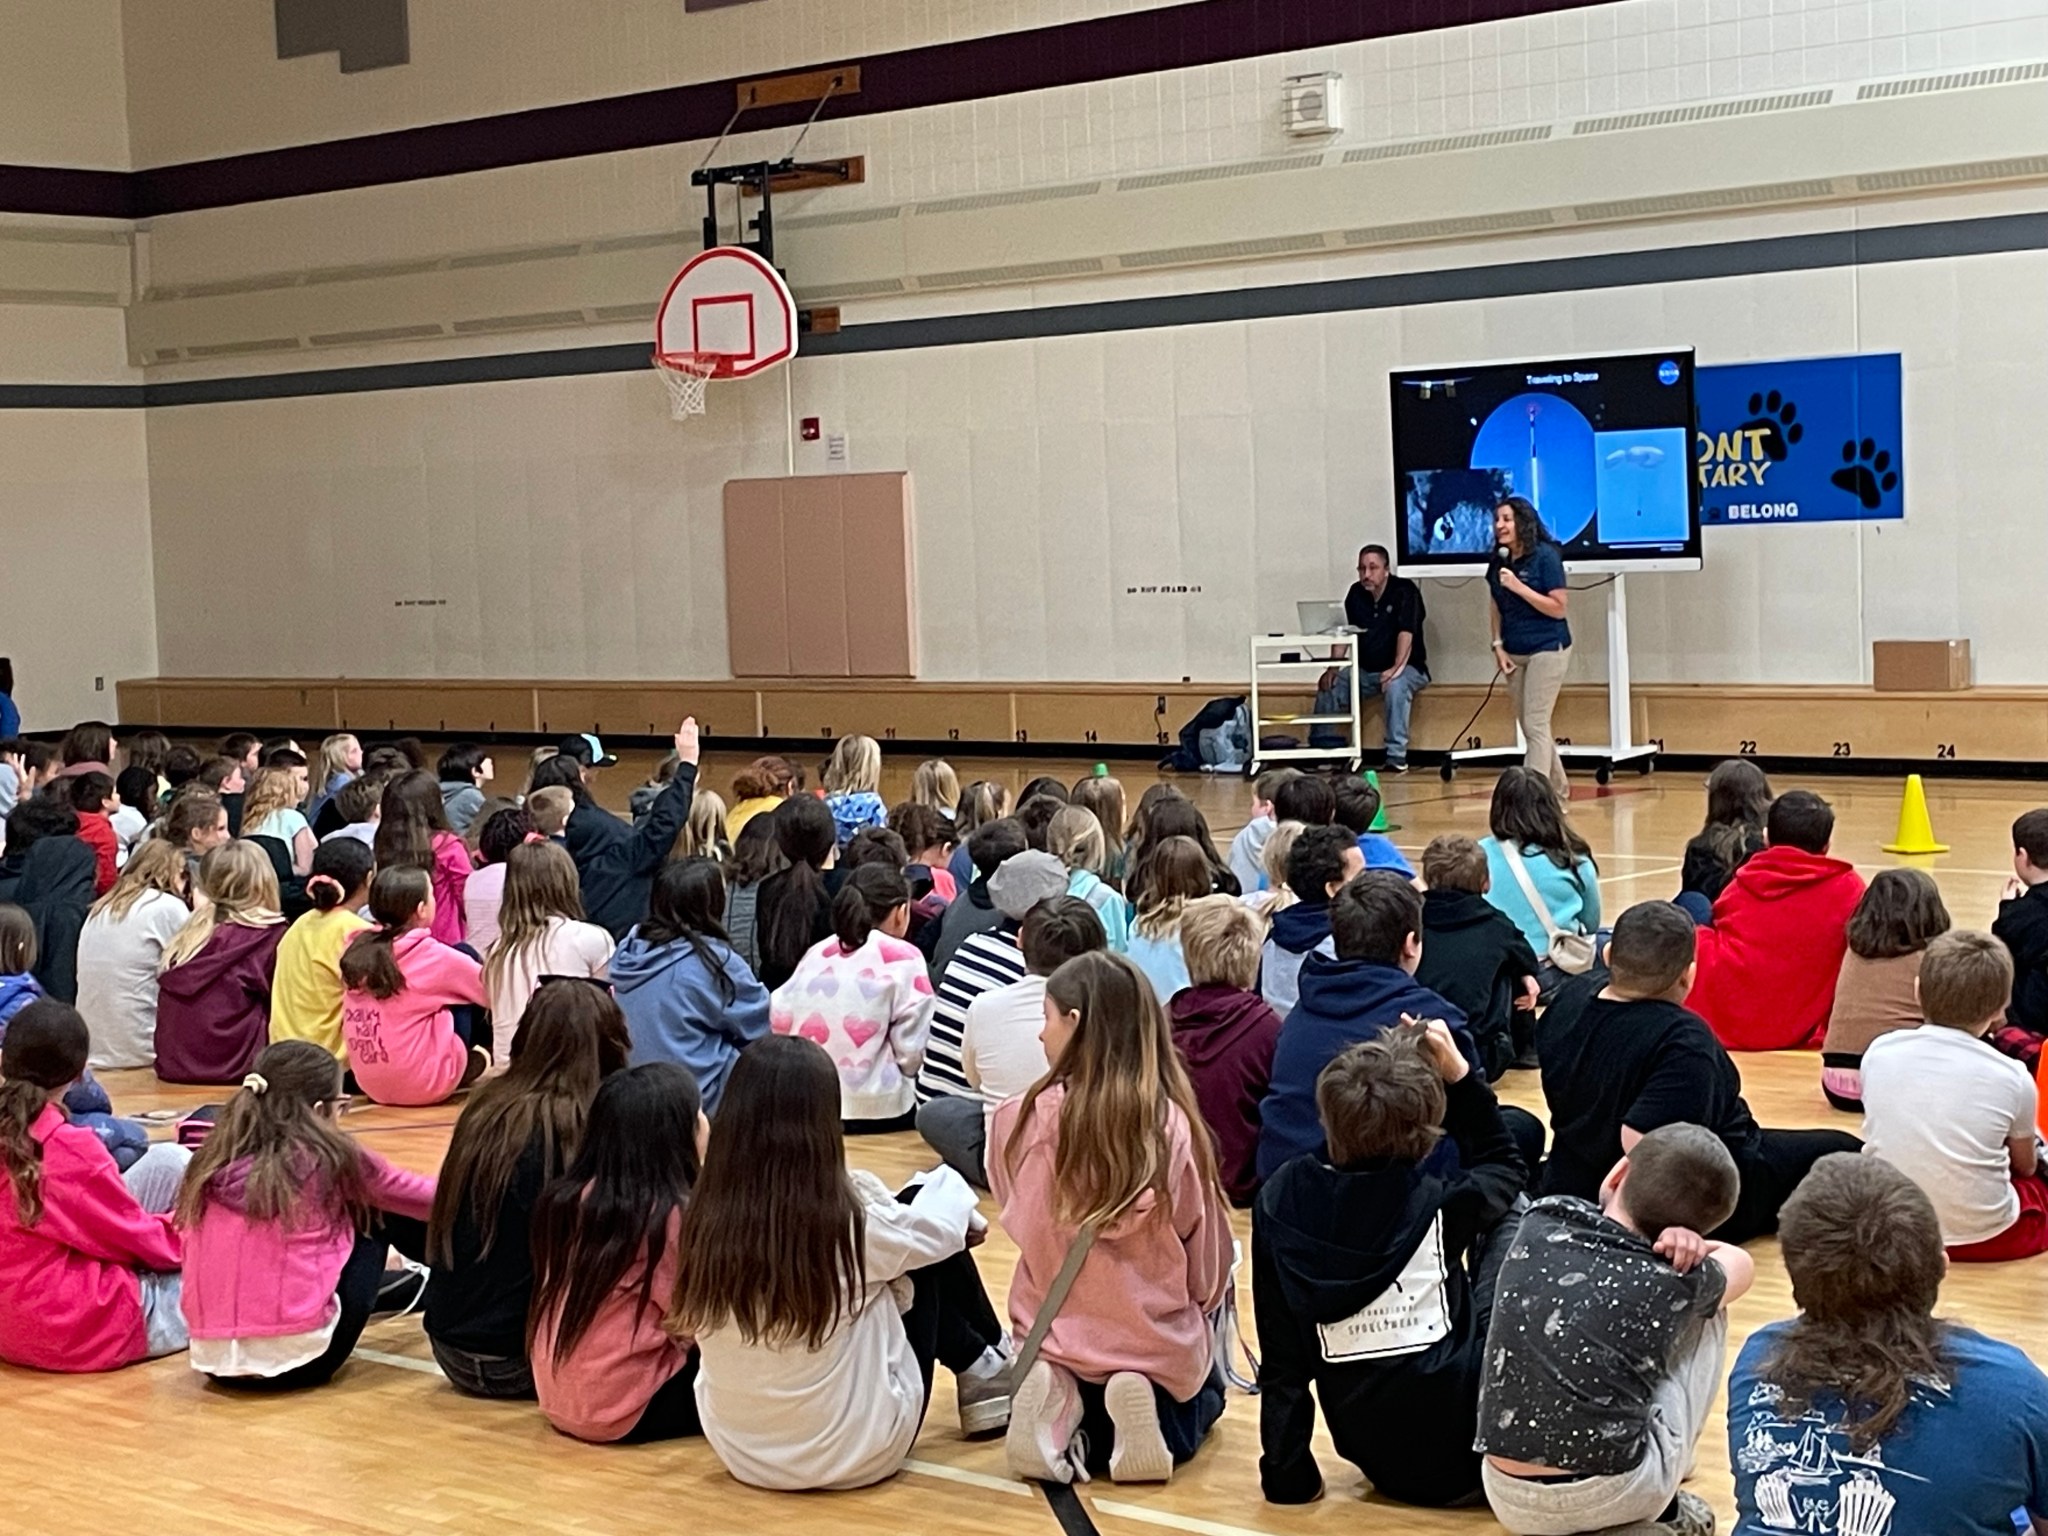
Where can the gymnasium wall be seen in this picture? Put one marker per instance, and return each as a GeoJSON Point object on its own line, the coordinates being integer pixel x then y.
{"type": "Point", "coordinates": [62, 95]}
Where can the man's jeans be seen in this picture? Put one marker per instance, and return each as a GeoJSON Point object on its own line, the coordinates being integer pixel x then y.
{"type": "Point", "coordinates": [1399, 696]}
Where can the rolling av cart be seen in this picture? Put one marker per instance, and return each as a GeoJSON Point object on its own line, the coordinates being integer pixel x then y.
{"type": "Point", "coordinates": [1272, 668]}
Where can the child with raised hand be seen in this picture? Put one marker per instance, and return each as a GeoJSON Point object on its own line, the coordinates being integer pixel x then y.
{"type": "Point", "coordinates": [88, 1255]}
{"type": "Point", "coordinates": [605, 1256]}
{"type": "Point", "coordinates": [819, 1301]}
{"type": "Point", "coordinates": [306, 992]}
{"type": "Point", "coordinates": [403, 984]}
{"type": "Point", "coordinates": [1955, 1116]}
{"type": "Point", "coordinates": [518, 1131]}
{"type": "Point", "coordinates": [1607, 1343]}
{"type": "Point", "coordinates": [1109, 1148]}
{"type": "Point", "coordinates": [1075, 838]}
{"type": "Point", "coordinates": [853, 779]}
{"type": "Point", "coordinates": [864, 997]}
{"type": "Point", "coordinates": [287, 1222]}
{"type": "Point", "coordinates": [1878, 989]}
{"type": "Point", "coordinates": [213, 993]}
{"type": "Point", "coordinates": [120, 950]}
{"type": "Point", "coordinates": [1373, 1271]}
{"type": "Point", "coordinates": [1174, 873]}
{"type": "Point", "coordinates": [688, 996]}
{"type": "Point", "coordinates": [541, 932]}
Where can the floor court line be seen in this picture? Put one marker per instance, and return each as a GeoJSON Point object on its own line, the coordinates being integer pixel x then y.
{"type": "Point", "coordinates": [403, 1362]}
{"type": "Point", "coordinates": [1138, 1512]}
{"type": "Point", "coordinates": [971, 1479]}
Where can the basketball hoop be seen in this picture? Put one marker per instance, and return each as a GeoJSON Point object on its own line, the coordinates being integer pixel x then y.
{"type": "Point", "coordinates": [686, 374]}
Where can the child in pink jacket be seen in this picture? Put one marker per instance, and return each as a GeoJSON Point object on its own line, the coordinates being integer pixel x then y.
{"type": "Point", "coordinates": [864, 996]}
{"type": "Point", "coordinates": [88, 1256]}
{"type": "Point", "coordinates": [405, 1045]}
{"type": "Point", "coordinates": [286, 1221]}
{"type": "Point", "coordinates": [1128, 1365]}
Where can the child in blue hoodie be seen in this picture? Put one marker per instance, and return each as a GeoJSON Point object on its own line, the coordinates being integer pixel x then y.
{"type": "Point", "coordinates": [1358, 807]}
{"type": "Point", "coordinates": [1370, 986]}
{"type": "Point", "coordinates": [688, 996]}
{"type": "Point", "coordinates": [1323, 860]}
{"type": "Point", "coordinates": [86, 1102]}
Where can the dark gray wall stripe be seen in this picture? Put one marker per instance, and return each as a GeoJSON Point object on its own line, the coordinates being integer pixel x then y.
{"type": "Point", "coordinates": [1566, 274]}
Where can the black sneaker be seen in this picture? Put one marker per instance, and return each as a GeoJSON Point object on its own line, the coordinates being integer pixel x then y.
{"type": "Point", "coordinates": [1394, 767]}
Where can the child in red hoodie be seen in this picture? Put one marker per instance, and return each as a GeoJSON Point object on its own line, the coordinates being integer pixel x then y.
{"type": "Point", "coordinates": [1225, 1033]}
{"type": "Point", "coordinates": [1767, 966]}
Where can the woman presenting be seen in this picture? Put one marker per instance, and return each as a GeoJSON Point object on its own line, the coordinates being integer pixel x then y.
{"type": "Point", "coordinates": [1531, 641]}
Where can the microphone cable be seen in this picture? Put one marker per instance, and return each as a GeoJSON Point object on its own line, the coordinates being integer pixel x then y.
{"type": "Point", "coordinates": [1499, 672]}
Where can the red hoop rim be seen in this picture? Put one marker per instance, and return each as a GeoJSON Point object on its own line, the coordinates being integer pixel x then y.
{"type": "Point", "coordinates": [705, 365]}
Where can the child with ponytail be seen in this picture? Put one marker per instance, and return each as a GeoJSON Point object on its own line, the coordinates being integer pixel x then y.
{"type": "Point", "coordinates": [864, 996]}
{"type": "Point", "coordinates": [853, 782]}
{"type": "Point", "coordinates": [88, 1256]}
{"type": "Point", "coordinates": [405, 1041]}
{"type": "Point", "coordinates": [286, 1222]}
{"type": "Point", "coordinates": [306, 993]}
{"type": "Point", "coordinates": [1111, 1143]}
{"type": "Point", "coordinates": [794, 909]}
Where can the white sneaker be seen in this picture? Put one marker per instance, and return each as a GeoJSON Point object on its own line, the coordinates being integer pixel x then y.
{"type": "Point", "coordinates": [1139, 1454]}
{"type": "Point", "coordinates": [1045, 1413]}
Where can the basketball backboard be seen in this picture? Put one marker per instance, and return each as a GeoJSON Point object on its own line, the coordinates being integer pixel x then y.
{"type": "Point", "coordinates": [728, 304]}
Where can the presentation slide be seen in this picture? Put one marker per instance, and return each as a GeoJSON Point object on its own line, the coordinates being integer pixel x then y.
{"type": "Point", "coordinates": [1601, 446]}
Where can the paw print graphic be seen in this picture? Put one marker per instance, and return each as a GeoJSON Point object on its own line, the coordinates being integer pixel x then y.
{"type": "Point", "coordinates": [1866, 473]}
{"type": "Point", "coordinates": [1778, 420]}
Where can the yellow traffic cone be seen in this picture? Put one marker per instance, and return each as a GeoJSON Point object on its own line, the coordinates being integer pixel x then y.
{"type": "Point", "coordinates": [1916, 830]}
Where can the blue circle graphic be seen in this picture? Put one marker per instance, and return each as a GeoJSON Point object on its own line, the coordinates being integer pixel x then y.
{"type": "Point", "coordinates": [1667, 372]}
{"type": "Point", "coordinates": [1545, 446]}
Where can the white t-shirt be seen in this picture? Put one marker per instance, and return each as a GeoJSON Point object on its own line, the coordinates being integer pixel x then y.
{"type": "Point", "coordinates": [285, 825]}
{"type": "Point", "coordinates": [129, 824]}
{"type": "Point", "coordinates": [482, 896]}
{"type": "Point", "coordinates": [1940, 1105]}
{"type": "Point", "coordinates": [567, 949]}
{"type": "Point", "coordinates": [1000, 1049]}
{"type": "Point", "coordinates": [117, 965]}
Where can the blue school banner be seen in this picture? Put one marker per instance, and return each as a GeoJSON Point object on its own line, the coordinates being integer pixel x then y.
{"type": "Point", "coordinates": [1808, 441]}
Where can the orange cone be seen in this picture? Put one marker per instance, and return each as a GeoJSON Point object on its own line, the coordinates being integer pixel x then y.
{"type": "Point", "coordinates": [1916, 830]}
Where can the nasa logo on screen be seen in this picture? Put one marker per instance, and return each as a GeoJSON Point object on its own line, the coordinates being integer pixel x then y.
{"type": "Point", "coordinates": [1667, 372]}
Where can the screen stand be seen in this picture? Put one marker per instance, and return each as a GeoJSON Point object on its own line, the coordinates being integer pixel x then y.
{"type": "Point", "coordinates": [1621, 746]}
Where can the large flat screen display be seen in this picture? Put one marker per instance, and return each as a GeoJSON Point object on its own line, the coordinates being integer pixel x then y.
{"type": "Point", "coordinates": [1602, 445]}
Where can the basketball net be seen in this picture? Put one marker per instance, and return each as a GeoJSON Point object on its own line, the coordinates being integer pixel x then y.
{"type": "Point", "coordinates": [686, 374]}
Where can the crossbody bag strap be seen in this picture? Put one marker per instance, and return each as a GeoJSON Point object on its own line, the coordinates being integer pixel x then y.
{"type": "Point", "coordinates": [1055, 1298]}
{"type": "Point", "coordinates": [1536, 902]}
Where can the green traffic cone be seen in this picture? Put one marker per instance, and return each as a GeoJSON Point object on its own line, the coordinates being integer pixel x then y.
{"type": "Point", "coordinates": [1380, 822]}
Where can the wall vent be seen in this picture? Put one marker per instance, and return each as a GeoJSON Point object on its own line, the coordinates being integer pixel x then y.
{"type": "Point", "coordinates": [1450, 229]}
{"type": "Point", "coordinates": [1963, 80]}
{"type": "Point", "coordinates": [371, 270]}
{"type": "Point", "coordinates": [262, 283]}
{"type": "Point", "coordinates": [1218, 173]}
{"type": "Point", "coordinates": [660, 238]}
{"type": "Point", "coordinates": [2026, 168]}
{"type": "Point", "coordinates": [244, 348]}
{"type": "Point", "coordinates": [981, 200]}
{"type": "Point", "coordinates": [840, 220]}
{"type": "Point", "coordinates": [547, 320]}
{"type": "Point", "coordinates": [1407, 147]}
{"type": "Point", "coordinates": [1222, 250]}
{"type": "Point", "coordinates": [75, 297]}
{"type": "Point", "coordinates": [623, 313]}
{"type": "Point", "coordinates": [508, 258]}
{"type": "Point", "coordinates": [382, 333]}
{"type": "Point", "coordinates": [1789, 101]}
{"type": "Point", "coordinates": [1026, 272]}
{"type": "Point", "coordinates": [36, 236]}
{"type": "Point", "coordinates": [863, 288]}
{"type": "Point", "coordinates": [1705, 202]}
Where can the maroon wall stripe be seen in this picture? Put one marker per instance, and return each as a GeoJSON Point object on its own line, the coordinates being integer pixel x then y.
{"type": "Point", "coordinates": [1074, 53]}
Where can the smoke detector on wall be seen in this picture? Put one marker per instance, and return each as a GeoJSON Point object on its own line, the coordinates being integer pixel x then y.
{"type": "Point", "coordinates": [1311, 106]}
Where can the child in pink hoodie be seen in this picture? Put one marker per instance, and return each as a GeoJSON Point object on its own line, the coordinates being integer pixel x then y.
{"type": "Point", "coordinates": [88, 1256]}
{"type": "Point", "coordinates": [865, 997]}
{"type": "Point", "coordinates": [286, 1222]}
{"type": "Point", "coordinates": [1128, 1365]}
{"type": "Point", "coordinates": [405, 1045]}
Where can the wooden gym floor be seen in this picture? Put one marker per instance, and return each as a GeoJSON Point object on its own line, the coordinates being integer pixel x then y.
{"type": "Point", "coordinates": [389, 1447]}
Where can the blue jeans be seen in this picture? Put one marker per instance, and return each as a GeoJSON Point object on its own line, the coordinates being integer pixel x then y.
{"type": "Point", "coordinates": [1183, 1425]}
{"type": "Point", "coordinates": [1399, 696]}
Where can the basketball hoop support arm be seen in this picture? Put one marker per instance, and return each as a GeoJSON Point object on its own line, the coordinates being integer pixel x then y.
{"type": "Point", "coordinates": [756, 178]}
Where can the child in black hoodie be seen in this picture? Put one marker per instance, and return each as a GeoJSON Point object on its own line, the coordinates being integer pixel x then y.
{"type": "Point", "coordinates": [1373, 1271]}
{"type": "Point", "coordinates": [1474, 956]}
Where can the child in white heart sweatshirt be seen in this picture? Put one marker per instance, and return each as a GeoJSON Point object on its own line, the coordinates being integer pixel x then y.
{"type": "Point", "coordinates": [864, 995]}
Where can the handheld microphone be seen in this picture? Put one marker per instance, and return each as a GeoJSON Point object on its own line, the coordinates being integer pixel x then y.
{"type": "Point", "coordinates": [1502, 557]}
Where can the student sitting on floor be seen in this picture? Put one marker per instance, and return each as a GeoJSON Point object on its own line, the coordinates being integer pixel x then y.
{"type": "Point", "coordinates": [88, 1255]}
{"type": "Point", "coordinates": [406, 1044]}
{"type": "Point", "coordinates": [121, 950]}
{"type": "Point", "coordinates": [1531, 846]}
{"type": "Point", "coordinates": [1001, 1053]}
{"type": "Point", "coordinates": [687, 995]}
{"type": "Point", "coordinates": [465, 768]}
{"type": "Point", "coordinates": [863, 996]}
{"type": "Point", "coordinates": [605, 1255]}
{"type": "Point", "coordinates": [1273, 896]}
{"type": "Point", "coordinates": [307, 991]}
{"type": "Point", "coordinates": [928, 840]}
{"type": "Point", "coordinates": [541, 932]}
{"type": "Point", "coordinates": [1952, 1114]}
{"type": "Point", "coordinates": [92, 796]}
{"type": "Point", "coordinates": [213, 996]}
{"type": "Point", "coordinates": [1623, 1057]}
{"type": "Point", "coordinates": [516, 1133]}
{"type": "Point", "coordinates": [1864, 1411]}
{"type": "Point", "coordinates": [1609, 1335]}
{"type": "Point", "coordinates": [1373, 1269]}
{"type": "Point", "coordinates": [2023, 925]}
{"type": "Point", "coordinates": [988, 847]}
{"type": "Point", "coordinates": [1738, 800]}
{"type": "Point", "coordinates": [853, 779]}
{"type": "Point", "coordinates": [1322, 862]}
{"type": "Point", "coordinates": [1369, 985]}
{"type": "Point", "coordinates": [1174, 872]}
{"type": "Point", "coordinates": [819, 1301]}
{"type": "Point", "coordinates": [1358, 807]}
{"type": "Point", "coordinates": [1109, 1148]}
{"type": "Point", "coordinates": [413, 833]}
{"type": "Point", "coordinates": [358, 803]}
{"type": "Point", "coordinates": [1876, 993]}
{"type": "Point", "coordinates": [286, 1230]}
{"type": "Point", "coordinates": [1075, 838]}
{"type": "Point", "coordinates": [1247, 848]}
{"type": "Point", "coordinates": [1473, 955]}
{"type": "Point", "coordinates": [1226, 1034]}
{"type": "Point", "coordinates": [794, 909]}
{"type": "Point", "coordinates": [483, 894]}
{"type": "Point", "coordinates": [1769, 963]}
